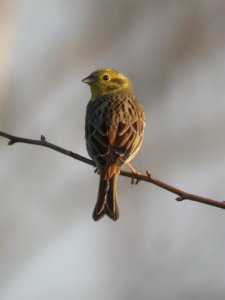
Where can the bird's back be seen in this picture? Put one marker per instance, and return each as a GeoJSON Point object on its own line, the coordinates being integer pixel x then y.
{"type": "Point", "coordinates": [114, 130]}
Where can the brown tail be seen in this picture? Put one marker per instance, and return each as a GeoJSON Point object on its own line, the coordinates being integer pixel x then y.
{"type": "Point", "coordinates": [107, 200]}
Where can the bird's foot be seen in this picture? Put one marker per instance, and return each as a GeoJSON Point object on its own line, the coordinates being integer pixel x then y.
{"type": "Point", "coordinates": [134, 178]}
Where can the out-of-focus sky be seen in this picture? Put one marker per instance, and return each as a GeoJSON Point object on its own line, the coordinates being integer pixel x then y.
{"type": "Point", "coordinates": [50, 248]}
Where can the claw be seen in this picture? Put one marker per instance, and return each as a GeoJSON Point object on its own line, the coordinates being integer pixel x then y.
{"type": "Point", "coordinates": [134, 180]}
{"type": "Point", "coordinates": [137, 180]}
{"type": "Point", "coordinates": [96, 171]}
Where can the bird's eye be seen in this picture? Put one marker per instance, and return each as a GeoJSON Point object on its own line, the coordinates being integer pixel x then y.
{"type": "Point", "coordinates": [105, 77]}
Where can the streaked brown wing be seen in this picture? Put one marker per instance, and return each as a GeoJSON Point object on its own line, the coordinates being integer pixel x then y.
{"type": "Point", "coordinates": [96, 132]}
{"type": "Point", "coordinates": [113, 130]}
{"type": "Point", "coordinates": [129, 132]}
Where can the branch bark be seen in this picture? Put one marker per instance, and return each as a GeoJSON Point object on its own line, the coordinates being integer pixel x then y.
{"type": "Point", "coordinates": [182, 195]}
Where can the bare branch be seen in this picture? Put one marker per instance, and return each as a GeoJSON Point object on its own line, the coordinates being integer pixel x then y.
{"type": "Point", "coordinates": [43, 142]}
{"type": "Point", "coordinates": [139, 177]}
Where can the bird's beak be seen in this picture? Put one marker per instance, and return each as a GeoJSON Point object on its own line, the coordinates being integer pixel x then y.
{"type": "Point", "coordinates": [88, 80]}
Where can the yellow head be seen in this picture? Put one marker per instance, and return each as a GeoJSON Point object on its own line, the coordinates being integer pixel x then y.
{"type": "Point", "coordinates": [107, 81]}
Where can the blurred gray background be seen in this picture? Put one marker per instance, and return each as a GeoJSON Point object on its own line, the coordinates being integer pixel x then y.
{"type": "Point", "coordinates": [50, 248]}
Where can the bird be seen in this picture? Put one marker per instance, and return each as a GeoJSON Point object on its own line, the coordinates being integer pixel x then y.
{"type": "Point", "coordinates": [114, 131]}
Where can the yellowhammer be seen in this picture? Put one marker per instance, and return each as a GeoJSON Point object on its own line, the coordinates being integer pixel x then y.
{"type": "Point", "coordinates": [114, 129]}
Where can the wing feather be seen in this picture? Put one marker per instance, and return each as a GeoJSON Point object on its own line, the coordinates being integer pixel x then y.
{"type": "Point", "coordinates": [114, 129]}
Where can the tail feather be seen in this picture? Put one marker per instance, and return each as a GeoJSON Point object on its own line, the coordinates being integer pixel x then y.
{"type": "Point", "coordinates": [111, 205]}
{"type": "Point", "coordinates": [103, 189]}
{"type": "Point", "coordinates": [107, 199]}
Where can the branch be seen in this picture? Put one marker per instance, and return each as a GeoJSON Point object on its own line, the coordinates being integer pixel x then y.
{"type": "Point", "coordinates": [139, 177]}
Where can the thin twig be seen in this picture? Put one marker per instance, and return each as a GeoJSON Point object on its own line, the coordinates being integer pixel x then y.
{"type": "Point", "coordinates": [139, 177]}
{"type": "Point", "coordinates": [43, 142]}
